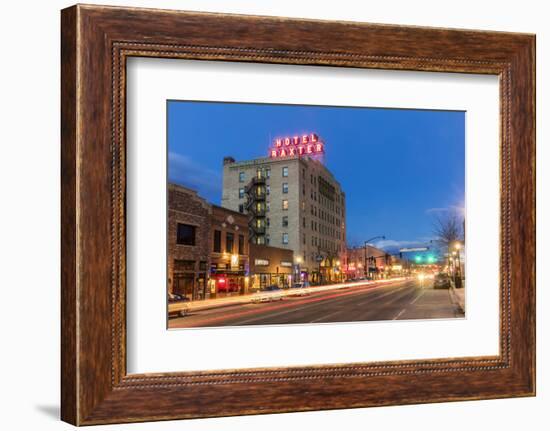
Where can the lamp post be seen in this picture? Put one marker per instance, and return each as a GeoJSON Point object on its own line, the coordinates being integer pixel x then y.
{"type": "Point", "coordinates": [458, 272]}
{"type": "Point", "coordinates": [366, 243]}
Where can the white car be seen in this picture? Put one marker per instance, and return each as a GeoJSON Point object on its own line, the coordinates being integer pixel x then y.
{"type": "Point", "coordinates": [267, 296]}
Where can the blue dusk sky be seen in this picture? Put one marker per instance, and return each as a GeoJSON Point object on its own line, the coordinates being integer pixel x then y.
{"type": "Point", "coordinates": [399, 168]}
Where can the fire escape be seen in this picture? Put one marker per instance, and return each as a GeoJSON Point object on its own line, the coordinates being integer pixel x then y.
{"type": "Point", "coordinates": [255, 192]}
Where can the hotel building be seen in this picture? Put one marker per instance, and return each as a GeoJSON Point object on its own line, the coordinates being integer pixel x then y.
{"type": "Point", "coordinates": [292, 202]}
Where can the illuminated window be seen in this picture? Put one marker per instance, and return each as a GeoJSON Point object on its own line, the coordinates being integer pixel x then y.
{"type": "Point", "coordinates": [285, 238]}
{"type": "Point", "coordinates": [241, 193]}
{"type": "Point", "coordinates": [285, 187]}
{"type": "Point", "coordinates": [241, 177]}
{"type": "Point", "coordinates": [285, 171]}
{"type": "Point", "coordinates": [285, 204]}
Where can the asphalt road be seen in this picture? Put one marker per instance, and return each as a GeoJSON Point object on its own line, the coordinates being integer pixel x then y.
{"type": "Point", "coordinates": [399, 300]}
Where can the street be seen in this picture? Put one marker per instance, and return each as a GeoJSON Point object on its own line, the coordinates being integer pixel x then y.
{"type": "Point", "coordinates": [398, 300]}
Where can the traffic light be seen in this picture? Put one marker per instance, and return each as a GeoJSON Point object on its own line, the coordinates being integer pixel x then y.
{"type": "Point", "coordinates": [431, 258]}
{"type": "Point", "coordinates": [418, 258]}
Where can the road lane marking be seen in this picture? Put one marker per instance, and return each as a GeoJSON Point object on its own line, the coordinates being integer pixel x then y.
{"type": "Point", "coordinates": [418, 296]}
{"type": "Point", "coordinates": [326, 316]}
{"type": "Point", "coordinates": [399, 314]}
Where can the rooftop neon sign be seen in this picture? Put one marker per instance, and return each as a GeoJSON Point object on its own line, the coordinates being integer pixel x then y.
{"type": "Point", "coordinates": [299, 145]}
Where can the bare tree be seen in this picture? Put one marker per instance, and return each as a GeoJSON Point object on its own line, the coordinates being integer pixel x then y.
{"type": "Point", "coordinates": [448, 229]}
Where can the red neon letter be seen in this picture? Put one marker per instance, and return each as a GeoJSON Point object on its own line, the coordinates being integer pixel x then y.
{"type": "Point", "coordinates": [310, 149]}
{"type": "Point", "coordinates": [291, 151]}
{"type": "Point", "coordinates": [287, 141]}
{"type": "Point", "coordinates": [304, 139]}
{"type": "Point", "coordinates": [283, 153]}
{"type": "Point", "coordinates": [273, 153]}
{"type": "Point", "coordinates": [278, 142]}
{"type": "Point", "coordinates": [300, 150]}
{"type": "Point", "coordinates": [314, 137]}
{"type": "Point", "coordinates": [296, 140]}
{"type": "Point", "coordinates": [319, 148]}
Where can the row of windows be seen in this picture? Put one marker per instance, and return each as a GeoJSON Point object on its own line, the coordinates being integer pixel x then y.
{"type": "Point", "coordinates": [260, 190]}
{"type": "Point", "coordinates": [229, 242]}
{"type": "Point", "coordinates": [263, 172]}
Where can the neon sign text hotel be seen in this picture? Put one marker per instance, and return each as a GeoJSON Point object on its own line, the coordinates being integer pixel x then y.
{"type": "Point", "coordinates": [300, 145]}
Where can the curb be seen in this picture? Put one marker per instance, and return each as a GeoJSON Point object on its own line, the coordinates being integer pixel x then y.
{"type": "Point", "coordinates": [455, 299]}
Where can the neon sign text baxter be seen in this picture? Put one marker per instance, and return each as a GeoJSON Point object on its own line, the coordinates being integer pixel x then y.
{"type": "Point", "coordinates": [296, 146]}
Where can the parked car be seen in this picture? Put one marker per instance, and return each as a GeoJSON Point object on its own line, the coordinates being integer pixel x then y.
{"type": "Point", "coordinates": [176, 297]}
{"type": "Point", "coordinates": [300, 289]}
{"type": "Point", "coordinates": [268, 294]}
{"type": "Point", "coordinates": [442, 281]}
{"type": "Point", "coordinates": [177, 306]}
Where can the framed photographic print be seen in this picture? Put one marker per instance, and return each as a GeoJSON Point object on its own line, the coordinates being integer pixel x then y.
{"type": "Point", "coordinates": [292, 215]}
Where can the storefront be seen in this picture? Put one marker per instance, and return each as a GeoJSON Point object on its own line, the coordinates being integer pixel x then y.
{"type": "Point", "coordinates": [189, 281]}
{"type": "Point", "coordinates": [227, 281]}
{"type": "Point", "coordinates": [270, 266]}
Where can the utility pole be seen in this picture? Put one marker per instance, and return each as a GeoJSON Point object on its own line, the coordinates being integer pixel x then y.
{"type": "Point", "coordinates": [366, 268]}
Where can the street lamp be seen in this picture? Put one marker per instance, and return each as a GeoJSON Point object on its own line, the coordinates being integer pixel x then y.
{"type": "Point", "coordinates": [366, 243]}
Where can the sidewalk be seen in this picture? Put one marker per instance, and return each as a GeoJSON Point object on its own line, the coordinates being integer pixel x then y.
{"type": "Point", "coordinates": [206, 304]}
{"type": "Point", "coordinates": [458, 296]}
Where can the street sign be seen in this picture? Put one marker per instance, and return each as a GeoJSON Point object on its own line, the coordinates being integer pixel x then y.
{"type": "Point", "coordinates": [405, 250]}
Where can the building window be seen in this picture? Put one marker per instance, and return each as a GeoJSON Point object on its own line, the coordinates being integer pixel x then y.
{"type": "Point", "coordinates": [285, 204]}
{"type": "Point", "coordinates": [186, 234]}
{"type": "Point", "coordinates": [285, 171]}
{"type": "Point", "coordinates": [241, 244]}
{"type": "Point", "coordinates": [241, 177]}
{"type": "Point", "coordinates": [303, 222]}
{"type": "Point", "coordinates": [267, 189]}
{"type": "Point", "coordinates": [285, 221]}
{"type": "Point", "coordinates": [267, 172]}
{"type": "Point", "coordinates": [285, 238]}
{"type": "Point", "coordinates": [285, 187]}
{"type": "Point", "coordinates": [229, 239]}
{"type": "Point", "coordinates": [267, 221]}
{"type": "Point", "coordinates": [267, 206]}
{"type": "Point", "coordinates": [304, 240]}
{"type": "Point", "coordinates": [217, 241]}
{"type": "Point", "coordinates": [241, 208]}
{"type": "Point", "coordinates": [241, 193]}
{"type": "Point", "coordinates": [267, 239]}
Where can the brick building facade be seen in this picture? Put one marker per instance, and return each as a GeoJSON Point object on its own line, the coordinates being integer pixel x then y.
{"type": "Point", "coordinates": [189, 219]}
{"type": "Point", "coordinates": [366, 261]}
{"type": "Point", "coordinates": [228, 252]}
